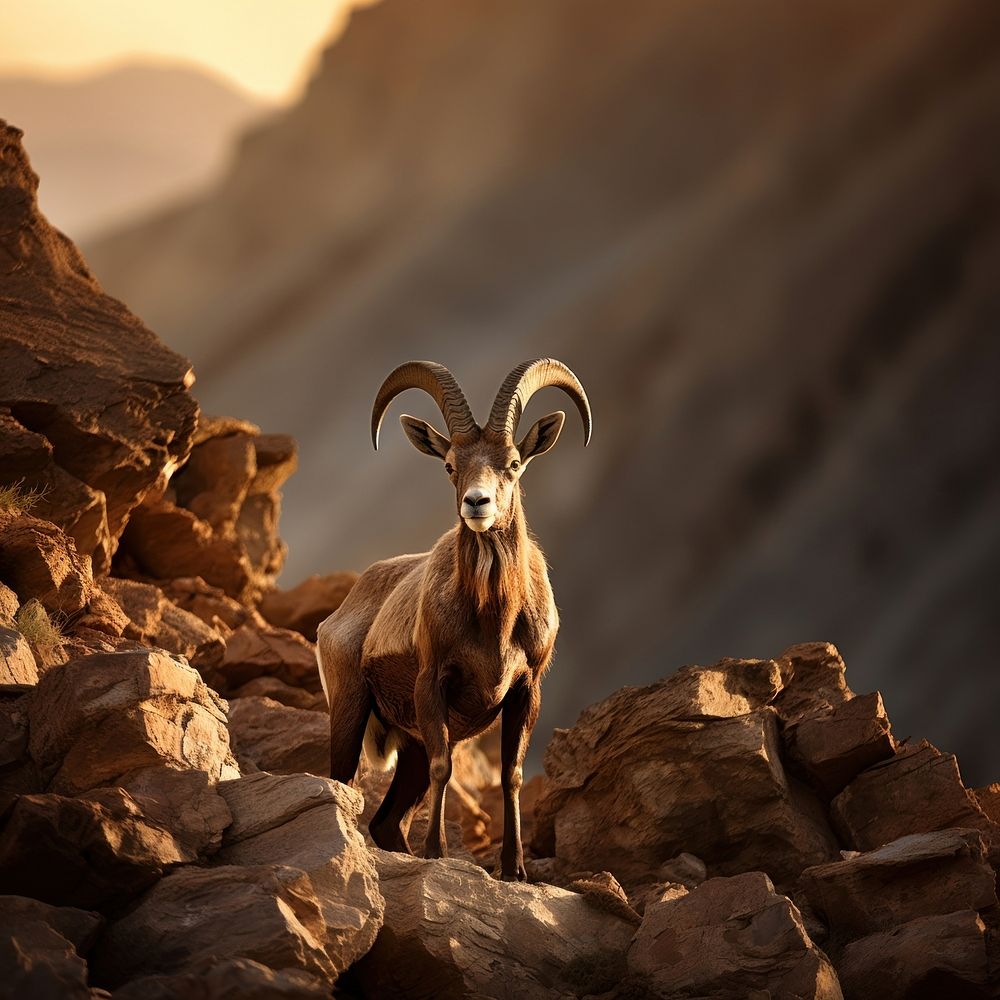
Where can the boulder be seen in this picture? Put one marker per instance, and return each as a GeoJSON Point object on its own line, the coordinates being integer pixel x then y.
{"type": "Point", "coordinates": [452, 931]}
{"type": "Point", "coordinates": [81, 372]}
{"type": "Point", "coordinates": [255, 651]}
{"type": "Point", "coordinates": [916, 791]}
{"type": "Point", "coordinates": [938, 956]}
{"type": "Point", "coordinates": [103, 614]}
{"type": "Point", "coordinates": [229, 979]}
{"type": "Point", "coordinates": [18, 774]}
{"type": "Point", "coordinates": [918, 875]}
{"type": "Point", "coordinates": [155, 621]}
{"type": "Point", "coordinates": [813, 680]}
{"type": "Point", "coordinates": [211, 604]}
{"type": "Point", "coordinates": [729, 937]}
{"type": "Point", "coordinates": [310, 823]}
{"type": "Point", "coordinates": [308, 603]}
{"type": "Point", "coordinates": [266, 913]}
{"type": "Point", "coordinates": [280, 739]}
{"type": "Point", "coordinates": [38, 560]}
{"type": "Point", "coordinates": [93, 852]}
{"type": "Point", "coordinates": [216, 479]}
{"type": "Point", "coordinates": [102, 717]}
{"type": "Point", "coordinates": [832, 748]}
{"type": "Point", "coordinates": [17, 662]}
{"type": "Point", "coordinates": [285, 694]}
{"type": "Point", "coordinates": [43, 950]}
{"type": "Point", "coordinates": [691, 763]}
{"type": "Point", "coordinates": [8, 605]}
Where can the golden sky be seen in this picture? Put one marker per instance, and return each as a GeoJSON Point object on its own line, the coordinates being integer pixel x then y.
{"type": "Point", "coordinates": [266, 46]}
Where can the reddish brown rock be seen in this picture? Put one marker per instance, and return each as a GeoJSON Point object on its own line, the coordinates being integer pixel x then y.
{"type": "Point", "coordinates": [451, 931]}
{"type": "Point", "coordinates": [916, 876]}
{"type": "Point", "coordinates": [229, 979]}
{"type": "Point", "coordinates": [310, 823]}
{"type": "Point", "coordinates": [17, 662]}
{"type": "Point", "coordinates": [279, 739]}
{"type": "Point", "coordinates": [266, 913]}
{"type": "Point", "coordinates": [8, 605]}
{"type": "Point", "coordinates": [989, 800]}
{"type": "Point", "coordinates": [92, 852]}
{"type": "Point", "coordinates": [18, 774]}
{"type": "Point", "coordinates": [305, 605]}
{"type": "Point", "coordinates": [81, 372]}
{"type": "Point", "coordinates": [103, 614]}
{"type": "Point", "coordinates": [917, 791]}
{"type": "Point", "coordinates": [216, 479]}
{"type": "Point", "coordinates": [279, 691]}
{"type": "Point", "coordinates": [43, 950]}
{"type": "Point", "coordinates": [101, 717]}
{"type": "Point", "coordinates": [38, 560]}
{"type": "Point", "coordinates": [939, 956]}
{"type": "Point", "coordinates": [155, 621]}
{"type": "Point", "coordinates": [730, 937]}
{"type": "Point", "coordinates": [211, 604]}
{"type": "Point", "coordinates": [253, 651]}
{"type": "Point", "coordinates": [813, 680]}
{"type": "Point", "coordinates": [834, 747]}
{"type": "Point", "coordinates": [165, 541]}
{"type": "Point", "coordinates": [651, 772]}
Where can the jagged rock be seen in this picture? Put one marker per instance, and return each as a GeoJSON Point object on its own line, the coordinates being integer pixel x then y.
{"type": "Point", "coordinates": [98, 850]}
{"type": "Point", "coordinates": [254, 651]}
{"type": "Point", "coordinates": [18, 774]}
{"type": "Point", "coordinates": [211, 604]}
{"type": "Point", "coordinates": [266, 913]}
{"type": "Point", "coordinates": [101, 717]}
{"type": "Point", "coordinates": [305, 605]}
{"type": "Point", "coordinates": [729, 937]}
{"type": "Point", "coordinates": [166, 541]}
{"type": "Point", "coordinates": [156, 621]}
{"type": "Point", "coordinates": [989, 800]}
{"type": "Point", "coordinates": [452, 931]}
{"type": "Point", "coordinates": [17, 662]}
{"type": "Point", "coordinates": [603, 890]}
{"type": "Point", "coordinates": [310, 823]}
{"type": "Point", "coordinates": [8, 605]}
{"type": "Point", "coordinates": [110, 402]}
{"type": "Point", "coordinates": [39, 560]}
{"type": "Point", "coordinates": [43, 950]}
{"type": "Point", "coordinates": [103, 614]}
{"type": "Point", "coordinates": [280, 739]}
{"type": "Point", "coordinates": [834, 747]}
{"type": "Point", "coordinates": [271, 687]}
{"type": "Point", "coordinates": [232, 979]}
{"type": "Point", "coordinates": [216, 479]}
{"type": "Point", "coordinates": [917, 791]}
{"type": "Point", "coordinates": [691, 763]}
{"type": "Point", "coordinates": [813, 680]}
{"type": "Point", "coordinates": [939, 956]}
{"type": "Point", "coordinates": [915, 876]}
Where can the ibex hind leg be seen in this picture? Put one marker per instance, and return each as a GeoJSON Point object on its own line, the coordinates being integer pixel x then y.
{"type": "Point", "coordinates": [409, 785]}
{"type": "Point", "coordinates": [350, 705]}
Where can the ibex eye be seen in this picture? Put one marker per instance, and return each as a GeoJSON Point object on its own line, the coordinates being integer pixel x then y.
{"type": "Point", "coordinates": [449, 468]}
{"type": "Point", "coordinates": [515, 464]}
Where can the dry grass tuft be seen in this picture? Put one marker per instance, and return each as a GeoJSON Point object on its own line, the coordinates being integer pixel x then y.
{"type": "Point", "coordinates": [34, 623]}
{"type": "Point", "coordinates": [18, 499]}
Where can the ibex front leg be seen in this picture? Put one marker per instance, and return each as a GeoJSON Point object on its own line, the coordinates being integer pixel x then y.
{"type": "Point", "coordinates": [520, 710]}
{"type": "Point", "coordinates": [430, 701]}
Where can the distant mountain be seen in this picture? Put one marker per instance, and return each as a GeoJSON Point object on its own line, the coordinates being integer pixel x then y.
{"type": "Point", "coordinates": [765, 235]}
{"type": "Point", "coordinates": [117, 144]}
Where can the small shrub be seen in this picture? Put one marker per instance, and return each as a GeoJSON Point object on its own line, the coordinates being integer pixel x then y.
{"type": "Point", "coordinates": [19, 499]}
{"type": "Point", "coordinates": [34, 623]}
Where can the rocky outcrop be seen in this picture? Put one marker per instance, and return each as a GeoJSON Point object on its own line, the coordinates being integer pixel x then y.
{"type": "Point", "coordinates": [95, 411]}
{"type": "Point", "coordinates": [305, 605]}
{"type": "Point", "coordinates": [275, 737]}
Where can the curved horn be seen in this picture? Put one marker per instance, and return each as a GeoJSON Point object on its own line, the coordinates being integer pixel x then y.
{"type": "Point", "coordinates": [523, 382]}
{"type": "Point", "coordinates": [437, 382]}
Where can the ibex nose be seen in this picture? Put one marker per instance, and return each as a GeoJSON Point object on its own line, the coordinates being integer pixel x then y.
{"type": "Point", "coordinates": [477, 498]}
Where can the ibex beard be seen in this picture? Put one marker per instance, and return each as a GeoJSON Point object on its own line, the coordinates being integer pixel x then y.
{"type": "Point", "coordinates": [427, 650]}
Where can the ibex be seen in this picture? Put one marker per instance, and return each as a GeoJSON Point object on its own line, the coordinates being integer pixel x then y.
{"type": "Point", "coordinates": [428, 649]}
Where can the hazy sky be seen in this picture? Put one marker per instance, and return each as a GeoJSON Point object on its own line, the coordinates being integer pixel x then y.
{"type": "Point", "coordinates": [265, 45]}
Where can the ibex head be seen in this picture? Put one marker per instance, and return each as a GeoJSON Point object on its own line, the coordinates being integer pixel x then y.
{"type": "Point", "coordinates": [483, 463]}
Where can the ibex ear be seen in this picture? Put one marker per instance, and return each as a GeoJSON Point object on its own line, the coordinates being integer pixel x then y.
{"type": "Point", "coordinates": [543, 435]}
{"type": "Point", "coordinates": [424, 438]}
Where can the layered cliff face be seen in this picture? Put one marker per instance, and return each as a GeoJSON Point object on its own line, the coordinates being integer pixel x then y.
{"type": "Point", "coordinates": [764, 236]}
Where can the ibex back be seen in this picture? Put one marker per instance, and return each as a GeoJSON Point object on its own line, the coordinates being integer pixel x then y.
{"type": "Point", "coordinates": [428, 649]}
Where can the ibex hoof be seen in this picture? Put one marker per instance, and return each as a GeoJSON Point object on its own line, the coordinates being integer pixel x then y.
{"type": "Point", "coordinates": [517, 874]}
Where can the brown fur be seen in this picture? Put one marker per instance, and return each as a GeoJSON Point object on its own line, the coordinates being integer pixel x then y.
{"type": "Point", "coordinates": [437, 645]}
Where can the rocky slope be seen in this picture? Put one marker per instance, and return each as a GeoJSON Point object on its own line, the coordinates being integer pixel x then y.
{"type": "Point", "coordinates": [750, 828]}
{"type": "Point", "coordinates": [766, 238]}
